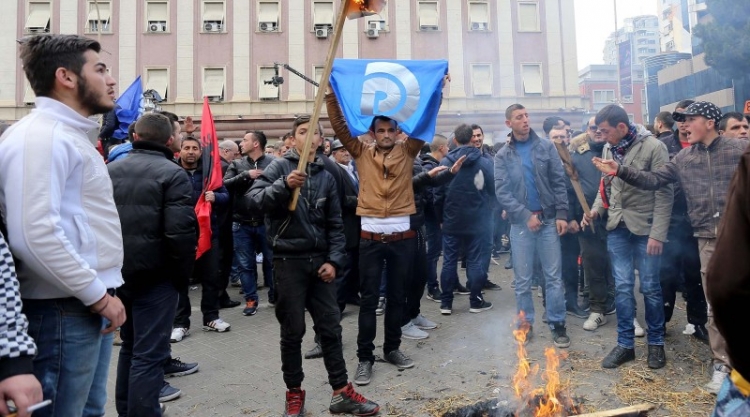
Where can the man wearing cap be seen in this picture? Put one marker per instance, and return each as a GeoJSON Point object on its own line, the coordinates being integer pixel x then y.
{"type": "Point", "coordinates": [704, 170]}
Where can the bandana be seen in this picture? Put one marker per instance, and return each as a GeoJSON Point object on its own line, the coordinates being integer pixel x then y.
{"type": "Point", "coordinates": [619, 150]}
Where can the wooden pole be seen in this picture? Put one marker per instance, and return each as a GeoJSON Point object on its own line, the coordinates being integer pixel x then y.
{"type": "Point", "coordinates": [570, 169]}
{"type": "Point", "coordinates": [632, 411]}
{"type": "Point", "coordinates": [319, 97]}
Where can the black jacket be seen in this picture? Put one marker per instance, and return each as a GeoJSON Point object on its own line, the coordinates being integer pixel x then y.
{"type": "Point", "coordinates": [315, 228]}
{"type": "Point", "coordinates": [464, 205]}
{"type": "Point", "coordinates": [679, 207]}
{"type": "Point", "coordinates": [423, 185]}
{"type": "Point", "coordinates": [429, 162]}
{"type": "Point", "coordinates": [154, 201]}
{"type": "Point", "coordinates": [352, 222]}
{"type": "Point", "coordinates": [220, 206]}
{"type": "Point", "coordinates": [237, 180]}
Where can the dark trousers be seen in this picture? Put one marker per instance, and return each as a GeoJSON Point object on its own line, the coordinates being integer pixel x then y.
{"type": "Point", "coordinates": [399, 258]}
{"type": "Point", "coordinates": [477, 252]}
{"type": "Point", "coordinates": [680, 262]}
{"type": "Point", "coordinates": [415, 289]}
{"type": "Point", "coordinates": [298, 286]}
{"type": "Point", "coordinates": [597, 268]}
{"type": "Point", "coordinates": [570, 249]}
{"type": "Point", "coordinates": [347, 279]}
{"type": "Point", "coordinates": [145, 349]}
{"type": "Point", "coordinates": [206, 270]}
{"type": "Point", "coordinates": [226, 256]}
{"type": "Point", "coordinates": [434, 242]}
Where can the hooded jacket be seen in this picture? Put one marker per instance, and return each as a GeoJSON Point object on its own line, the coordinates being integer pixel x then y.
{"type": "Point", "coordinates": [464, 206]}
{"type": "Point", "coordinates": [315, 228]}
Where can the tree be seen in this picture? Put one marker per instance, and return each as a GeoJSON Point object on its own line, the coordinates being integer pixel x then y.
{"type": "Point", "coordinates": [726, 37]}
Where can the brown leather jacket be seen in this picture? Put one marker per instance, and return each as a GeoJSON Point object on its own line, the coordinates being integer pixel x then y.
{"type": "Point", "coordinates": [385, 188]}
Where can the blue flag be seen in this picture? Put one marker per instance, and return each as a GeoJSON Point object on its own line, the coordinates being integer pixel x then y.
{"type": "Point", "coordinates": [406, 91]}
{"type": "Point", "coordinates": [128, 108]}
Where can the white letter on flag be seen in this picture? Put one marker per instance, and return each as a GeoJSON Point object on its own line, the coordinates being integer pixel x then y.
{"type": "Point", "coordinates": [390, 90]}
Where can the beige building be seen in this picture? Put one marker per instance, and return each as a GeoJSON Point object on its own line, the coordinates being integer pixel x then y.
{"type": "Point", "coordinates": [499, 52]}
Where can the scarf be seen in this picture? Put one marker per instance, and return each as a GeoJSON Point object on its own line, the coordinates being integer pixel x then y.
{"type": "Point", "coordinates": [619, 150]}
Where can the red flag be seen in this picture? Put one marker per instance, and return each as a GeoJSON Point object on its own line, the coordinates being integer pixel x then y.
{"type": "Point", "coordinates": [212, 178]}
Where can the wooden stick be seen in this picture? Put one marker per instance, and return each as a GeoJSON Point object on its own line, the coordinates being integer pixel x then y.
{"type": "Point", "coordinates": [633, 410]}
{"type": "Point", "coordinates": [319, 97]}
{"type": "Point", "coordinates": [570, 169]}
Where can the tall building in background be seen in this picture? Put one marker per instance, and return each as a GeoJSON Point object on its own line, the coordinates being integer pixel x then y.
{"type": "Point", "coordinates": [674, 25]}
{"type": "Point", "coordinates": [499, 51]}
{"type": "Point", "coordinates": [635, 41]}
{"type": "Point", "coordinates": [598, 84]}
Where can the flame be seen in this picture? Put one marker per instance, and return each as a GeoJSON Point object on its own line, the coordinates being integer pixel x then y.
{"type": "Point", "coordinates": [361, 8]}
{"type": "Point", "coordinates": [521, 384]}
{"type": "Point", "coordinates": [549, 405]}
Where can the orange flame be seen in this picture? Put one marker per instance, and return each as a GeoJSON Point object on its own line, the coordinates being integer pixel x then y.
{"type": "Point", "coordinates": [361, 8]}
{"type": "Point", "coordinates": [521, 378]}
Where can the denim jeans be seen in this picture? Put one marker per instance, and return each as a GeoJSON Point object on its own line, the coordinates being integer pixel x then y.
{"type": "Point", "coordinates": [73, 357]}
{"type": "Point", "coordinates": [476, 249]}
{"type": "Point", "coordinates": [145, 349]}
{"type": "Point", "coordinates": [434, 247]}
{"type": "Point", "coordinates": [299, 287]}
{"type": "Point", "coordinates": [628, 253]}
{"type": "Point", "coordinates": [543, 244]}
{"type": "Point", "coordinates": [247, 241]}
{"type": "Point", "coordinates": [399, 256]}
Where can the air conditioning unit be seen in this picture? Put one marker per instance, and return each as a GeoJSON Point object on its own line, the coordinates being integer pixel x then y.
{"type": "Point", "coordinates": [428, 27]}
{"type": "Point", "coordinates": [212, 27]}
{"type": "Point", "coordinates": [268, 26]}
{"type": "Point", "coordinates": [478, 25]}
{"type": "Point", "coordinates": [374, 24]}
{"type": "Point", "coordinates": [321, 31]}
{"type": "Point", "coordinates": [157, 26]}
{"type": "Point", "coordinates": [373, 33]}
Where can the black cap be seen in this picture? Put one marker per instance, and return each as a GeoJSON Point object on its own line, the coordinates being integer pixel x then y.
{"type": "Point", "coordinates": [699, 108]}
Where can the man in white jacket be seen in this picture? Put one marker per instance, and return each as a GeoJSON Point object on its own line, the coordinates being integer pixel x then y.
{"type": "Point", "coordinates": [63, 226]}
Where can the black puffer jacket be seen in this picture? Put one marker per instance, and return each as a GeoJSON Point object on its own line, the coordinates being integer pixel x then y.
{"type": "Point", "coordinates": [154, 200]}
{"type": "Point", "coordinates": [315, 228]}
{"type": "Point", "coordinates": [237, 180]}
{"type": "Point", "coordinates": [423, 183]}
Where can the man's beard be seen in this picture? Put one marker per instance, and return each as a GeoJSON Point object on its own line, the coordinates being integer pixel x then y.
{"type": "Point", "coordinates": [91, 101]}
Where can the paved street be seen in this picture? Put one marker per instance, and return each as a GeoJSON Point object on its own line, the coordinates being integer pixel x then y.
{"type": "Point", "coordinates": [470, 356]}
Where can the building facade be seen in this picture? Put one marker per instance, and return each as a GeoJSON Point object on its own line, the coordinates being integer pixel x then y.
{"type": "Point", "coordinates": [499, 52]}
{"type": "Point", "coordinates": [598, 84]}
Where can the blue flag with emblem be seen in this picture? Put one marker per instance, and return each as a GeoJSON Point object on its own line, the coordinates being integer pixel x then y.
{"type": "Point", "coordinates": [128, 108]}
{"type": "Point", "coordinates": [408, 92]}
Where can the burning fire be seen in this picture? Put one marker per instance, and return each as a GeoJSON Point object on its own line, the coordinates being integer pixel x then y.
{"type": "Point", "coordinates": [361, 8]}
{"type": "Point", "coordinates": [546, 401]}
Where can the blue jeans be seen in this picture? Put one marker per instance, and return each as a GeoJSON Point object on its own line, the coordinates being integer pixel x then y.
{"type": "Point", "coordinates": [73, 357]}
{"type": "Point", "coordinates": [527, 246]}
{"type": "Point", "coordinates": [247, 241]}
{"type": "Point", "coordinates": [434, 247]}
{"type": "Point", "coordinates": [628, 253]}
{"type": "Point", "coordinates": [145, 349]}
{"type": "Point", "coordinates": [477, 252]}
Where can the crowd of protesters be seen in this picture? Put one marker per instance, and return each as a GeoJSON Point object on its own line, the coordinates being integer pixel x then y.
{"type": "Point", "coordinates": [103, 245]}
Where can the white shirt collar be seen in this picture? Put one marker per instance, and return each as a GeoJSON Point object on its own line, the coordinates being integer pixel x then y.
{"type": "Point", "coordinates": [64, 113]}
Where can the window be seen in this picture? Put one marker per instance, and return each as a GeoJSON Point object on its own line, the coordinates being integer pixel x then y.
{"type": "Point", "coordinates": [479, 16]}
{"type": "Point", "coordinates": [28, 93]}
{"type": "Point", "coordinates": [604, 96]}
{"type": "Point", "coordinates": [317, 75]}
{"type": "Point", "coordinates": [213, 17]}
{"type": "Point", "coordinates": [528, 16]}
{"type": "Point", "coordinates": [99, 17]}
{"type": "Point", "coordinates": [428, 15]}
{"type": "Point", "coordinates": [481, 79]}
{"type": "Point", "coordinates": [37, 21]}
{"type": "Point", "coordinates": [532, 78]}
{"type": "Point", "coordinates": [268, 16]}
{"type": "Point", "coordinates": [213, 84]}
{"type": "Point", "coordinates": [323, 13]}
{"type": "Point", "coordinates": [157, 13]}
{"type": "Point", "coordinates": [267, 91]}
{"type": "Point", "coordinates": [157, 79]}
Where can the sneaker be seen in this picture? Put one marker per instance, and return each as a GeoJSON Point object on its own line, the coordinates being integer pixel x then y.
{"type": "Point", "coordinates": [639, 332]}
{"type": "Point", "coordinates": [295, 403]}
{"type": "Point", "coordinates": [424, 323]}
{"type": "Point", "coordinates": [560, 336]}
{"type": "Point", "coordinates": [179, 333]}
{"type": "Point", "coordinates": [351, 402]}
{"type": "Point", "coordinates": [434, 295]}
{"type": "Point", "coordinates": [460, 289]}
{"type": "Point", "coordinates": [509, 263]}
{"type": "Point", "coordinates": [314, 353]}
{"type": "Point", "coordinates": [259, 258]}
{"type": "Point", "coordinates": [176, 367]}
{"type": "Point", "coordinates": [380, 310]}
{"type": "Point", "coordinates": [513, 284]}
{"type": "Point", "coordinates": [168, 393]}
{"type": "Point", "coordinates": [410, 331]}
{"type": "Point", "coordinates": [489, 285]}
{"type": "Point", "coordinates": [576, 311]}
{"type": "Point", "coordinates": [230, 304]}
{"type": "Point", "coordinates": [364, 373]}
{"type": "Point", "coordinates": [700, 333]}
{"type": "Point", "coordinates": [720, 373]}
{"type": "Point", "coordinates": [483, 306]}
{"type": "Point", "coordinates": [217, 325]}
{"type": "Point", "coordinates": [618, 356]}
{"type": "Point", "coordinates": [398, 358]}
{"type": "Point", "coordinates": [611, 310]}
{"type": "Point", "coordinates": [656, 357]}
{"type": "Point", "coordinates": [117, 341]}
{"type": "Point", "coordinates": [251, 307]}
{"type": "Point", "coordinates": [446, 309]}
{"type": "Point", "coordinates": [594, 321]}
